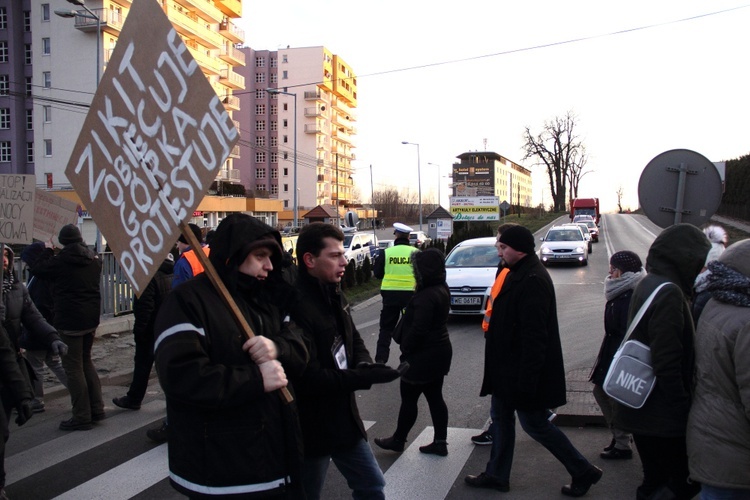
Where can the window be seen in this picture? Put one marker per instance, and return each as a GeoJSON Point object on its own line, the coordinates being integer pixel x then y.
{"type": "Point", "coordinates": [4, 118]}
{"type": "Point", "coordinates": [274, 171]}
{"type": "Point", "coordinates": [29, 152]}
{"type": "Point", "coordinates": [45, 12]}
{"type": "Point", "coordinates": [285, 139]}
{"type": "Point", "coordinates": [27, 20]}
{"type": "Point", "coordinates": [28, 86]}
{"type": "Point", "coordinates": [47, 147]}
{"type": "Point", "coordinates": [260, 62]}
{"type": "Point", "coordinates": [47, 112]}
{"type": "Point", "coordinates": [274, 109]}
{"type": "Point", "coordinates": [274, 62]}
{"type": "Point", "coordinates": [3, 51]}
{"type": "Point", "coordinates": [260, 173]}
{"type": "Point", "coordinates": [260, 77]}
{"type": "Point", "coordinates": [3, 18]}
{"type": "Point", "coordinates": [47, 77]}
{"type": "Point", "coordinates": [260, 125]}
{"type": "Point", "coordinates": [274, 78]}
{"type": "Point", "coordinates": [46, 47]}
{"type": "Point", "coordinates": [3, 84]}
{"type": "Point", "coordinates": [284, 59]}
{"type": "Point", "coordinates": [286, 203]}
{"type": "Point", "coordinates": [286, 188]}
{"type": "Point", "coordinates": [274, 142]}
{"type": "Point", "coordinates": [260, 141]}
{"type": "Point", "coordinates": [286, 157]}
{"type": "Point", "coordinates": [286, 171]}
{"type": "Point", "coordinates": [260, 109]}
{"type": "Point", "coordinates": [259, 94]}
{"type": "Point", "coordinates": [274, 96]}
{"type": "Point", "coordinates": [27, 53]}
{"type": "Point", "coordinates": [285, 107]}
{"type": "Point", "coordinates": [274, 189]}
{"type": "Point", "coordinates": [29, 119]}
{"type": "Point", "coordinates": [5, 151]}
{"type": "Point", "coordinates": [284, 75]}
{"type": "Point", "coordinates": [285, 123]}
{"type": "Point", "coordinates": [274, 126]}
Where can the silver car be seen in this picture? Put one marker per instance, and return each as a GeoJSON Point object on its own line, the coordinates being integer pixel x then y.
{"type": "Point", "coordinates": [564, 244]}
{"type": "Point", "coordinates": [470, 268]}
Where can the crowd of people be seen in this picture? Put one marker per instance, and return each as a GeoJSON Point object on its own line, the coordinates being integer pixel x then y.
{"type": "Point", "coordinates": [260, 375]}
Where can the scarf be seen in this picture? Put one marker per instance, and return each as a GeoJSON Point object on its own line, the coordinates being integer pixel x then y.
{"type": "Point", "coordinates": [727, 285]}
{"type": "Point", "coordinates": [614, 287]}
{"type": "Point", "coordinates": [8, 279]}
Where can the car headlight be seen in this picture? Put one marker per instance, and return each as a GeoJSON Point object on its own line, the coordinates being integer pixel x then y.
{"type": "Point", "coordinates": [579, 249]}
{"type": "Point", "coordinates": [546, 250]}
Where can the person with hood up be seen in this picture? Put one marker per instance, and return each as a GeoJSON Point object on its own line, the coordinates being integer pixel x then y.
{"type": "Point", "coordinates": [718, 238]}
{"type": "Point", "coordinates": [718, 428]}
{"type": "Point", "coordinates": [426, 347]}
{"type": "Point", "coordinates": [188, 265]}
{"type": "Point", "coordinates": [625, 272]}
{"type": "Point", "coordinates": [676, 256]}
{"type": "Point", "coordinates": [231, 435]}
{"type": "Point", "coordinates": [75, 274]}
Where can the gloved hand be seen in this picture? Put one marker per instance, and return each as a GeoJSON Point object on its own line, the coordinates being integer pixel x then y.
{"type": "Point", "coordinates": [24, 411]}
{"type": "Point", "coordinates": [376, 373]}
{"type": "Point", "coordinates": [59, 347]}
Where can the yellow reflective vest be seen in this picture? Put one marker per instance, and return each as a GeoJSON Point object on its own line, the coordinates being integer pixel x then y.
{"type": "Point", "coordinates": [399, 274]}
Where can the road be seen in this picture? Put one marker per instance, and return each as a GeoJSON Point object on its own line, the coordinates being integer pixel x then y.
{"type": "Point", "coordinates": [116, 460]}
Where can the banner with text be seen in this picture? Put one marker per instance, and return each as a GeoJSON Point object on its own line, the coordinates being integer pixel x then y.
{"type": "Point", "coordinates": [16, 208]}
{"type": "Point", "coordinates": [51, 213]}
{"type": "Point", "coordinates": [153, 141]}
{"type": "Point", "coordinates": [475, 208]}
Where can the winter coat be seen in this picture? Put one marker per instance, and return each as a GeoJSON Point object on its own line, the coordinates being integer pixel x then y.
{"type": "Point", "coordinates": [147, 305]}
{"type": "Point", "coordinates": [75, 274]}
{"type": "Point", "coordinates": [523, 361]}
{"type": "Point", "coordinates": [718, 430]}
{"type": "Point", "coordinates": [325, 393]}
{"type": "Point", "coordinates": [425, 343]}
{"type": "Point", "coordinates": [226, 435]}
{"type": "Point", "coordinates": [677, 256]}
{"type": "Point", "coordinates": [14, 385]}
{"type": "Point", "coordinates": [40, 290]}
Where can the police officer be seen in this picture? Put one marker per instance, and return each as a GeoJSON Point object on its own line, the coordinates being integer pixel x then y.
{"type": "Point", "coordinates": [394, 267]}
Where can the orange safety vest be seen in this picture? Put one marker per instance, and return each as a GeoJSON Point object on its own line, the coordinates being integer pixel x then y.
{"type": "Point", "coordinates": [192, 259]}
{"type": "Point", "coordinates": [496, 287]}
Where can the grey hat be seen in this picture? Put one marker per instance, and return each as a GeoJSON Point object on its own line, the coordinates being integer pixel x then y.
{"type": "Point", "coordinates": [69, 234]}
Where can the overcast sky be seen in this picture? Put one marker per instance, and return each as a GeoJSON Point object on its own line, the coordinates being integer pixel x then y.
{"type": "Point", "coordinates": [645, 77]}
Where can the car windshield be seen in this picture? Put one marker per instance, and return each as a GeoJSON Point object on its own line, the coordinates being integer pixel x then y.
{"type": "Point", "coordinates": [348, 240]}
{"type": "Point", "coordinates": [591, 224]}
{"type": "Point", "coordinates": [473, 256]}
{"type": "Point", "coordinates": [564, 235]}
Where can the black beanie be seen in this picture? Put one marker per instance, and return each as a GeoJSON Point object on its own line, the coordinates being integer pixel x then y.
{"type": "Point", "coordinates": [518, 238]}
{"type": "Point", "coordinates": [69, 234]}
{"type": "Point", "coordinates": [626, 261]}
{"type": "Point", "coordinates": [196, 231]}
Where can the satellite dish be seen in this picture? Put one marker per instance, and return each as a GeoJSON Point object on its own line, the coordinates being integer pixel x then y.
{"type": "Point", "coordinates": [679, 185]}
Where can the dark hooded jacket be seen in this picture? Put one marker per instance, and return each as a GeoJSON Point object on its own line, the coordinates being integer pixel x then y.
{"type": "Point", "coordinates": [228, 436]}
{"type": "Point", "coordinates": [75, 273]}
{"type": "Point", "coordinates": [677, 256]}
{"type": "Point", "coordinates": [425, 343]}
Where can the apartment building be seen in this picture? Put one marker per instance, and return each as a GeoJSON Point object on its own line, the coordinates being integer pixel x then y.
{"type": "Point", "coordinates": [490, 174]}
{"type": "Point", "coordinates": [322, 89]}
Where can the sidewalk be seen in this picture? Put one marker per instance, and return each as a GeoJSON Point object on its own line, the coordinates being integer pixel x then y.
{"type": "Point", "coordinates": [739, 224]}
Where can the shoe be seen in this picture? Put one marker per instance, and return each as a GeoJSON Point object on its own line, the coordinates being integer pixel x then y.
{"type": "Point", "coordinates": [482, 439]}
{"type": "Point", "coordinates": [485, 481]}
{"type": "Point", "coordinates": [610, 446]}
{"type": "Point", "coordinates": [580, 485]}
{"type": "Point", "coordinates": [127, 403]}
{"type": "Point", "coordinates": [3, 496]}
{"type": "Point", "coordinates": [617, 454]}
{"type": "Point", "coordinates": [160, 435]}
{"type": "Point", "coordinates": [36, 407]}
{"type": "Point", "coordinates": [390, 443]}
{"type": "Point", "coordinates": [435, 448]}
{"type": "Point", "coordinates": [75, 425]}
{"type": "Point", "coordinates": [98, 417]}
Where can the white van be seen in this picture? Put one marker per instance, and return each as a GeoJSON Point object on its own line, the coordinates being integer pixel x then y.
{"type": "Point", "coordinates": [357, 246]}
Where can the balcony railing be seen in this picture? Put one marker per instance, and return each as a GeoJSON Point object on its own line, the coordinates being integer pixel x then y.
{"type": "Point", "coordinates": [231, 8]}
{"type": "Point", "coordinates": [313, 111]}
{"type": "Point", "coordinates": [203, 8]}
{"type": "Point", "coordinates": [311, 94]}
{"type": "Point", "coordinates": [232, 31]}
{"type": "Point", "coordinates": [232, 79]}
{"type": "Point", "coordinates": [313, 128]}
{"type": "Point", "coordinates": [111, 21]}
{"type": "Point", "coordinates": [208, 63]}
{"type": "Point", "coordinates": [235, 152]}
{"type": "Point", "coordinates": [186, 25]}
{"type": "Point", "coordinates": [231, 102]}
{"type": "Point", "coordinates": [231, 55]}
{"type": "Point", "coordinates": [229, 174]}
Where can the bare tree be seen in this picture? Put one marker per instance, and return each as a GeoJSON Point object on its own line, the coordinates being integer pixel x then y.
{"type": "Point", "coordinates": [556, 147]}
{"type": "Point", "coordinates": [576, 170]}
{"type": "Point", "coordinates": [620, 193]}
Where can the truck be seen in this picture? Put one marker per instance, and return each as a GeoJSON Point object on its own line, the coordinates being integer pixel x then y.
{"type": "Point", "coordinates": [585, 206]}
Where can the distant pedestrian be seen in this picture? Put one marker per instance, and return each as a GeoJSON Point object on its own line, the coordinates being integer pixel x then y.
{"type": "Point", "coordinates": [75, 273]}
{"type": "Point", "coordinates": [625, 272]}
{"type": "Point", "coordinates": [524, 370]}
{"type": "Point", "coordinates": [426, 347]}
{"type": "Point", "coordinates": [676, 256]}
{"type": "Point", "coordinates": [394, 267]}
{"type": "Point", "coordinates": [188, 265]}
{"type": "Point", "coordinates": [145, 309]}
{"type": "Point", "coordinates": [718, 429]}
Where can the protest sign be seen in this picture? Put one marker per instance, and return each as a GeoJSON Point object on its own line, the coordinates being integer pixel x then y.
{"type": "Point", "coordinates": [154, 139]}
{"type": "Point", "coordinates": [51, 213]}
{"type": "Point", "coordinates": [16, 208]}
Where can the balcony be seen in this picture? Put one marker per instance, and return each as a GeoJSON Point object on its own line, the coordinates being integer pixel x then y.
{"type": "Point", "coordinates": [229, 174]}
{"type": "Point", "coordinates": [202, 8]}
{"type": "Point", "coordinates": [194, 28]}
{"type": "Point", "coordinates": [111, 21]}
{"type": "Point", "coordinates": [313, 111]}
{"type": "Point", "coordinates": [230, 8]}
{"type": "Point", "coordinates": [231, 31]}
{"type": "Point", "coordinates": [209, 64]}
{"type": "Point", "coordinates": [231, 79]}
{"type": "Point", "coordinates": [313, 128]}
{"type": "Point", "coordinates": [235, 152]}
{"type": "Point", "coordinates": [230, 55]}
{"type": "Point", "coordinates": [313, 95]}
{"type": "Point", "coordinates": [341, 135]}
{"type": "Point", "coordinates": [231, 103]}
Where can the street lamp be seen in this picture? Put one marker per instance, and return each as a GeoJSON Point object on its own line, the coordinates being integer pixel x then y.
{"type": "Point", "coordinates": [419, 183]}
{"type": "Point", "coordinates": [438, 166]}
{"type": "Point", "coordinates": [277, 91]}
{"type": "Point", "coordinates": [89, 14]}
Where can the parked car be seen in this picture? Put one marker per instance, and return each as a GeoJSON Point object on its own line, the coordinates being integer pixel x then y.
{"type": "Point", "coordinates": [418, 238]}
{"type": "Point", "coordinates": [586, 234]}
{"type": "Point", "coordinates": [383, 244]}
{"type": "Point", "coordinates": [357, 246]}
{"type": "Point", "coordinates": [564, 244]}
{"type": "Point", "coordinates": [470, 272]}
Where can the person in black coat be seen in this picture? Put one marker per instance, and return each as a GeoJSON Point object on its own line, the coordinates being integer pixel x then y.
{"type": "Point", "coordinates": [524, 370]}
{"type": "Point", "coordinates": [426, 347]}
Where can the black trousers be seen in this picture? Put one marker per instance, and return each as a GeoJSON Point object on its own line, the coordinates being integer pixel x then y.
{"type": "Point", "coordinates": [407, 414]}
{"type": "Point", "coordinates": [665, 465]}
{"type": "Point", "coordinates": [143, 361]}
{"type": "Point", "coordinates": [394, 303]}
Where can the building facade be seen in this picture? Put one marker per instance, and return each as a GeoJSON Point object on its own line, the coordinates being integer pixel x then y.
{"type": "Point", "coordinates": [490, 174]}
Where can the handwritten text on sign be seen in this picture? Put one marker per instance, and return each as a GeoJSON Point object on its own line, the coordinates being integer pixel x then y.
{"type": "Point", "coordinates": [16, 208]}
{"type": "Point", "coordinates": [153, 141]}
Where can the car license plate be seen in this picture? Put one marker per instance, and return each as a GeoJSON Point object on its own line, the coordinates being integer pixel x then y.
{"type": "Point", "coordinates": [466, 300]}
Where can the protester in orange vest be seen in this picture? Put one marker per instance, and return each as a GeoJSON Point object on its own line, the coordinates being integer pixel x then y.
{"type": "Point", "coordinates": [188, 265]}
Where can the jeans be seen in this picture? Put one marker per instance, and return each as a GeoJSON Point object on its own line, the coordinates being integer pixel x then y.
{"type": "Point", "coordinates": [83, 381]}
{"type": "Point", "coordinates": [536, 424]}
{"type": "Point", "coordinates": [394, 303]}
{"type": "Point", "coordinates": [606, 404]}
{"type": "Point", "coordinates": [716, 493]}
{"type": "Point", "coordinates": [37, 359]}
{"type": "Point", "coordinates": [357, 465]}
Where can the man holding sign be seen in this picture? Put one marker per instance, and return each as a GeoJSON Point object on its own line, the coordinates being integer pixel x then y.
{"type": "Point", "coordinates": [229, 433]}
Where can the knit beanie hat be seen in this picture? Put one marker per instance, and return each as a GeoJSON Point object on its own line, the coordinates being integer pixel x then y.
{"type": "Point", "coordinates": [69, 234]}
{"type": "Point", "coordinates": [196, 231]}
{"type": "Point", "coordinates": [626, 261]}
{"type": "Point", "coordinates": [518, 238]}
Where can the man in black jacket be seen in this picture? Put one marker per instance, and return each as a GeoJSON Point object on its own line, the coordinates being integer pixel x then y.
{"type": "Point", "coordinates": [523, 368]}
{"type": "Point", "coordinates": [339, 365]}
{"type": "Point", "coordinates": [75, 273]}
